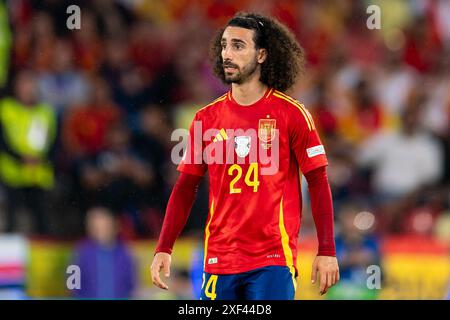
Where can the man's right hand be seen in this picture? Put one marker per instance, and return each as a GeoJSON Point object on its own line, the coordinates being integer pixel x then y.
{"type": "Point", "coordinates": [161, 261]}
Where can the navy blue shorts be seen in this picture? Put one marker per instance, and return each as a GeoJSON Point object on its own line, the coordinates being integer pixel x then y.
{"type": "Point", "coordinates": [267, 283]}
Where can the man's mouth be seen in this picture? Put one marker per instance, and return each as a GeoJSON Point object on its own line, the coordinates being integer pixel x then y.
{"type": "Point", "coordinates": [228, 69]}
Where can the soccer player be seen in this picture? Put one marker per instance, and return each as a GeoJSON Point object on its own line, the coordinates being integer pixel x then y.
{"type": "Point", "coordinates": [250, 245]}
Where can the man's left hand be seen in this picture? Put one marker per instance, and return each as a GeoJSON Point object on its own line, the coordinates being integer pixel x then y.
{"type": "Point", "coordinates": [328, 269]}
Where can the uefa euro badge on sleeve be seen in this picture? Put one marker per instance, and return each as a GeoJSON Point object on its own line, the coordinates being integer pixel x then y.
{"type": "Point", "coordinates": [266, 132]}
{"type": "Point", "coordinates": [242, 145]}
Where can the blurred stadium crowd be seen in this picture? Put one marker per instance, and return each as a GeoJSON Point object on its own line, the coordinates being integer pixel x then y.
{"type": "Point", "coordinates": [103, 101]}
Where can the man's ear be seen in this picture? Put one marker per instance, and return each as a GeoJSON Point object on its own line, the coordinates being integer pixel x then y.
{"type": "Point", "coordinates": [262, 55]}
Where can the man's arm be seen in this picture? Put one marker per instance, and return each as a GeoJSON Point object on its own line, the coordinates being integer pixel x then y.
{"type": "Point", "coordinates": [322, 211]}
{"type": "Point", "coordinates": [177, 213]}
{"type": "Point", "coordinates": [310, 154]}
{"type": "Point", "coordinates": [4, 146]}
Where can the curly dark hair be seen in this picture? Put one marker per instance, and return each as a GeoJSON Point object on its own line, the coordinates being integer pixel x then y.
{"type": "Point", "coordinates": [285, 56]}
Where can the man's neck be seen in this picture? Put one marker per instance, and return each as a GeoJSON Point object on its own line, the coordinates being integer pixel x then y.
{"type": "Point", "coordinates": [249, 92]}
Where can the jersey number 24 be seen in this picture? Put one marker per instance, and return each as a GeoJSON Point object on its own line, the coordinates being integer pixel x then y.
{"type": "Point", "coordinates": [251, 177]}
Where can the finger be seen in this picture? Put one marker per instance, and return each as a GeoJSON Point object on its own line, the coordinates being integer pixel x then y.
{"type": "Point", "coordinates": [154, 271]}
{"type": "Point", "coordinates": [333, 279]}
{"type": "Point", "coordinates": [166, 268]}
{"type": "Point", "coordinates": [323, 282]}
{"type": "Point", "coordinates": [314, 274]}
{"type": "Point", "coordinates": [155, 268]}
{"type": "Point", "coordinates": [338, 277]}
{"type": "Point", "coordinates": [159, 283]}
{"type": "Point", "coordinates": [156, 278]}
{"type": "Point", "coordinates": [329, 279]}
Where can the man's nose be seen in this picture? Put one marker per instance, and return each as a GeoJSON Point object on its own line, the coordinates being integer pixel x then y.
{"type": "Point", "coordinates": [226, 54]}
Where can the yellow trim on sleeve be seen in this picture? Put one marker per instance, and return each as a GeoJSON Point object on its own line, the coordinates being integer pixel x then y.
{"type": "Point", "coordinates": [296, 105]}
{"type": "Point", "coordinates": [304, 112]}
{"type": "Point", "coordinates": [309, 115]}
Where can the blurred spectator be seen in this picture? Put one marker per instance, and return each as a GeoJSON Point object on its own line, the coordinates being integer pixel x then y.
{"type": "Point", "coordinates": [116, 62]}
{"type": "Point", "coordinates": [127, 82]}
{"type": "Point", "coordinates": [117, 177]}
{"type": "Point", "coordinates": [403, 161]}
{"type": "Point", "coordinates": [436, 116]}
{"type": "Point", "coordinates": [394, 83]}
{"type": "Point", "coordinates": [88, 46]}
{"type": "Point", "coordinates": [442, 13]}
{"type": "Point", "coordinates": [356, 249]}
{"type": "Point", "coordinates": [152, 144]}
{"type": "Point", "coordinates": [422, 46]}
{"type": "Point", "coordinates": [28, 131]}
{"type": "Point", "coordinates": [44, 37]}
{"type": "Point", "coordinates": [85, 126]}
{"type": "Point", "coordinates": [63, 85]}
{"type": "Point", "coordinates": [366, 117]}
{"type": "Point", "coordinates": [5, 44]}
{"type": "Point", "coordinates": [325, 119]}
{"type": "Point", "coordinates": [343, 174]}
{"type": "Point", "coordinates": [106, 264]}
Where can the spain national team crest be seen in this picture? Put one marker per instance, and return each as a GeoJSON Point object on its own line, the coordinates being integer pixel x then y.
{"type": "Point", "coordinates": [266, 132]}
{"type": "Point", "coordinates": [242, 145]}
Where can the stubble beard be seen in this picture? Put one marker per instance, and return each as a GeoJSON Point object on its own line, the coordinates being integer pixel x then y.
{"type": "Point", "coordinates": [239, 77]}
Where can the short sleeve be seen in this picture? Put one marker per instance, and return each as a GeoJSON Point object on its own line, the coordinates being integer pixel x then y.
{"type": "Point", "coordinates": [192, 161]}
{"type": "Point", "coordinates": [305, 141]}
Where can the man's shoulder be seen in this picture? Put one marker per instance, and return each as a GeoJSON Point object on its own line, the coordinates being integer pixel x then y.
{"type": "Point", "coordinates": [294, 108]}
{"type": "Point", "coordinates": [85, 247]}
{"type": "Point", "coordinates": [287, 101]}
{"type": "Point", "coordinates": [8, 102]}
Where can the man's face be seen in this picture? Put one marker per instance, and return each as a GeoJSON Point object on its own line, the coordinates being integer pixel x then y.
{"type": "Point", "coordinates": [240, 57]}
{"type": "Point", "coordinates": [25, 88]}
{"type": "Point", "coordinates": [101, 226]}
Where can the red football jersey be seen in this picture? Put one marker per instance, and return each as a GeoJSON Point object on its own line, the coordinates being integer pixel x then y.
{"type": "Point", "coordinates": [255, 155]}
